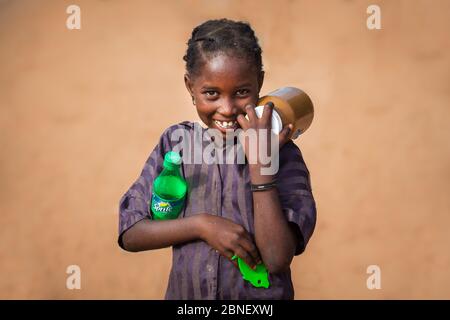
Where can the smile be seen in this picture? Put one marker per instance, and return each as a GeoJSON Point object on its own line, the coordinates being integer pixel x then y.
{"type": "Point", "coordinates": [226, 124]}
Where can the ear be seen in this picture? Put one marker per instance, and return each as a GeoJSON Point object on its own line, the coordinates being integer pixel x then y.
{"type": "Point", "coordinates": [188, 84]}
{"type": "Point", "coordinates": [260, 80]}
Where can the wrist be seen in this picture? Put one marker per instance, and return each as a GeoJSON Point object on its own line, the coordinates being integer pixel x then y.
{"type": "Point", "coordinates": [264, 186]}
{"type": "Point", "coordinates": [256, 177]}
{"type": "Point", "coordinates": [199, 226]}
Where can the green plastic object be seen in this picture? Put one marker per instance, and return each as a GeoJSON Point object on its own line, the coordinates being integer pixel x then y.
{"type": "Point", "coordinates": [169, 189]}
{"type": "Point", "coordinates": [259, 277]}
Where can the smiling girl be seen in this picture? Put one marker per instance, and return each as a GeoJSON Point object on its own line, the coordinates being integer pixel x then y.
{"type": "Point", "coordinates": [224, 215]}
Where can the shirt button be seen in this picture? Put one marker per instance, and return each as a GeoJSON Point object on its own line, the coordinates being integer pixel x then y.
{"type": "Point", "coordinates": [209, 268]}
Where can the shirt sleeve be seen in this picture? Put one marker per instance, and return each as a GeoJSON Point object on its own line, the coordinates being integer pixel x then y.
{"type": "Point", "coordinates": [133, 206]}
{"type": "Point", "coordinates": [295, 193]}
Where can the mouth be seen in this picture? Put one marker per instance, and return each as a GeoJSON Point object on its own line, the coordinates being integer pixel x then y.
{"type": "Point", "coordinates": [226, 125]}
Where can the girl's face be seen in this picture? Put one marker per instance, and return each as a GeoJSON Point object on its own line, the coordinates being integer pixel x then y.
{"type": "Point", "coordinates": [222, 88]}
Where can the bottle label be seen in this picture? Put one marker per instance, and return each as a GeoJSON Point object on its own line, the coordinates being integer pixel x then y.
{"type": "Point", "coordinates": [165, 209]}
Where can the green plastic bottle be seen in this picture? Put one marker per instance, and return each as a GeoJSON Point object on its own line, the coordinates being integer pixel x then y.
{"type": "Point", "coordinates": [169, 189]}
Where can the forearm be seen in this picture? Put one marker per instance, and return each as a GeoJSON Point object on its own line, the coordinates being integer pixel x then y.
{"type": "Point", "coordinates": [155, 234]}
{"type": "Point", "coordinates": [274, 237]}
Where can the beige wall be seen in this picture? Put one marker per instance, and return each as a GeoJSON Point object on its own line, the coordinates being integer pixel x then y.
{"type": "Point", "coordinates": [81, 110]}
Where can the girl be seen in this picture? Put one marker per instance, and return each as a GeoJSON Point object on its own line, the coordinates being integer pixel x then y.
{"type": "Point", "coordinates": [223, 214]}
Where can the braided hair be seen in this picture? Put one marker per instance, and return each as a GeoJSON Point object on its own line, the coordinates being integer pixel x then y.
{"type": "Point", "coordinates": [222, 36]}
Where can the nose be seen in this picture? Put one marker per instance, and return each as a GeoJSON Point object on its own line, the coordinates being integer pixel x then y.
{"type": "Point", "coordinates": [228, 108]}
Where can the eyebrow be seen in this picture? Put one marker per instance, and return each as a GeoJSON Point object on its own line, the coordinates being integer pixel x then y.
{"type": "Point", "coordinates": [217, 88]}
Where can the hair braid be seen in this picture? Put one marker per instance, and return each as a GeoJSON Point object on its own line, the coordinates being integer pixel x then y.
{"type": "Point", "coordinates": [217, 36]}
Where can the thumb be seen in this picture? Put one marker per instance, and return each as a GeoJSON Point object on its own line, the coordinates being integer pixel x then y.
{"type": "Point", "coordinates": [285, 134]}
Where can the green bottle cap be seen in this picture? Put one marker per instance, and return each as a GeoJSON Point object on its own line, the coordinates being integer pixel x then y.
{"type": "Point", "coordinates": [172, 158]}
{"type": "Point", "coordinates": [258, 277]}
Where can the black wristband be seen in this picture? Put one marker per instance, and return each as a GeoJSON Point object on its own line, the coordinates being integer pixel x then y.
{"type": "Point", "coordinates": [264, 186]}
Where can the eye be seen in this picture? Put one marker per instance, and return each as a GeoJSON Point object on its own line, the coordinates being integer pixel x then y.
{"type": "Point", "coordinates": [242, 92]}
{"type": "Point", "coordinates": [210, 93]}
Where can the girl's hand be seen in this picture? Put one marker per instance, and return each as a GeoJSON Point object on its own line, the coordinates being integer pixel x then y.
{"type": "Point", "coordinates": [253, 128]}
{"type": "Point", "coordinates": [229, 238]}
{"type": "Point", "coordinates": [256, 124]}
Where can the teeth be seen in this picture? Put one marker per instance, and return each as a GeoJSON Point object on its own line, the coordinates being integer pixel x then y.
{"type": "Point", "coordinates": [225, 124]}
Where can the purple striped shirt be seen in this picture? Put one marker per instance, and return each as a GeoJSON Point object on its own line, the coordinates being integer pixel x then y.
{"type": "Point", "coordinates": [198, 271]}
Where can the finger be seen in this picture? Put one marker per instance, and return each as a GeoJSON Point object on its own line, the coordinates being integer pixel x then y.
{"type": "Point", "coordinates": [244, 255]}
{"type": "Point", "coordinates": [285, 134]}
{"type": "Point", "coordinates": [267, 113]}
{"type": "Point", "coordinates": [243, 122]}
{"type": "Point", "coordinates": [250, 247]}
{"type": "Point", "coordinates": [233, 258]}
{"type": "Point", "coordinates": [228, 254]}
{"type": "Point", "coordinates": [251, 113]}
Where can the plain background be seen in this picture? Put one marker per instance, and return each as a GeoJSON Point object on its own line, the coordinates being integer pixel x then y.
{"type": "Point", "coordinates": [80, 111]}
